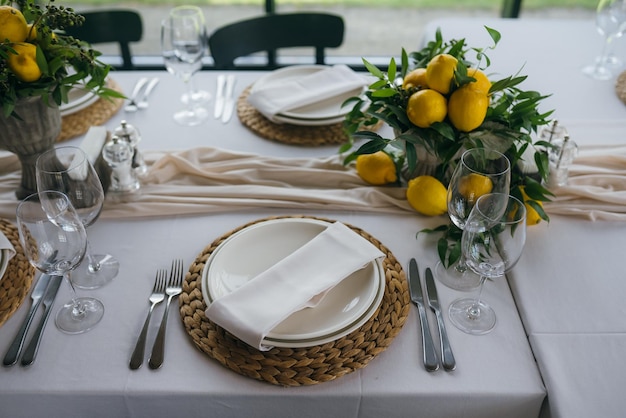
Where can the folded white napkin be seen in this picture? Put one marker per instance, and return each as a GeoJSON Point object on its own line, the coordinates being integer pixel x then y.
{"type": "Point", "coordinates": [254, 309]}
{"type": "Point", "coordinates": [281, 96]}
{"type": "Point", "coordinates": [5, 244]}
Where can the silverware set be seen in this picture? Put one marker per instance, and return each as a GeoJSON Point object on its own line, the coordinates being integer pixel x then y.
{"type": "Point", "coordinates": [162, 288]}
{"type": "Point", "coordinates": [431, 361]}
{"type": "Point", "coordinates": [44, 294]}
{"type": "Point", "coordinates": [224, 98]}
{"type": "Point", "coordinates": [137, 99]}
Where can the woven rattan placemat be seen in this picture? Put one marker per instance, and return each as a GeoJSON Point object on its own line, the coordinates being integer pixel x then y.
{"type": "Point", "coordinates": [620, 87]}
{"type": "Point", "coordinates": [297, 366]}
{"type": "Point", "coordinates": [18, 276]}
{"type": "Point", "coordinates": [287, 134]}
{"type": "Point", "coordinates": [101, 111]}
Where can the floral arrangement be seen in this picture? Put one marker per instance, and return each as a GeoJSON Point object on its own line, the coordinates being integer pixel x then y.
{"type": "Point", "coordinates": [439, 103]}
{"type": "Point", "coordinates": [38, 59]}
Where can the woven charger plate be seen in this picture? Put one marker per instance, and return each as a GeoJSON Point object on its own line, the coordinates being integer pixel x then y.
{"type": "Point", "coordinates": [101, 111]}
{"type": "Point", "coordinates": [287, 134]}
{"type": "Point", "coordinates": [620, 87]}
{"type": "Point", "coordinates": [18, 276]}
{"type": "Point", "coordinates": [297, 366]}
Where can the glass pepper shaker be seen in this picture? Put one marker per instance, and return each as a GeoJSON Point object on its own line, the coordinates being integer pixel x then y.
{"type": "Point", "coordinates": [131, 134]}
{"type": "Point", "coordinates": [118, 153]}
{"type": "Point", "coordinates": [561, 156]}
{"type": "Point", "coordinates": [554, 132]}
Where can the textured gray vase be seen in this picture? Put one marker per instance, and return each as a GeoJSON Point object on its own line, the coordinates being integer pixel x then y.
{"type": "Point", "coordinates": [34, 132]}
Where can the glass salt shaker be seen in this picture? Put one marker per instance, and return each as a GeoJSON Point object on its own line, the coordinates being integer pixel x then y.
{"type": "Point", "coordinates": [561, 156]}
{"type": "Point", "coordinates": [118, 153]}
{"type": "Point", "coordinates": [553, 132]}
{"type": "Point", "coordinates": [131, 134]}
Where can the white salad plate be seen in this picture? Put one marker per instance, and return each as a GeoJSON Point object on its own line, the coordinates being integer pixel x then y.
{"type": "Point", "coordinates": [254, 249]}
{"type": "Point", "coordinates": [324, 112]}
{"type": "Point", "coordinates": [78, 99]}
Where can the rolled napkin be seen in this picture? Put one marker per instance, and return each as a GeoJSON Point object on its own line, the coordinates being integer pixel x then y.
{"type": "Point", "coordinates": [282, 96]}
{"type": "Point", "coordinates": [254, 309]}
{"type": "Point", "coordinates": [5, 244]}
{"type": "Point", "coordinates": [596, 186]}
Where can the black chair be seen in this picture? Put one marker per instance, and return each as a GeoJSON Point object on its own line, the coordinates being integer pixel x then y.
{"type": "Point", "coordinates": [111, 26]}
{"type": "Point", "coordinates": [511, 8]}
{"type": "Point", "coordinates": [275, 31]}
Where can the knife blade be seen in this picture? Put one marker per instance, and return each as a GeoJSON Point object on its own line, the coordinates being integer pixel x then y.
{"type": "Point", "coordinates": [415, 289]}
{"type": "Point", "coordinates": [16, 346]}
{"type": "Point", "coordinates": [31, 350]}
{"type": "Point", "coordinates": [229, 98]}
{"type": "Point", "coordinates": [447, 358]}
{"type": "Point", "coordinates": [219, 96]}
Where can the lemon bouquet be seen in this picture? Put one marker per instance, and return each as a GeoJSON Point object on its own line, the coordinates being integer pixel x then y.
{"type": "Point", "coordinates": [38, 59]}
{"type": "Point", "coordinates": [440, 103]}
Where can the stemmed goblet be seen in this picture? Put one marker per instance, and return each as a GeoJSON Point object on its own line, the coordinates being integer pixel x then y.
{"type": "Point", "coordinates": [68, 170]}
{"type": "Point", "coordinates": [480, 171]}
{"type": "Point", "coordinates": [182, 46]}
{"type": "Point", "coordinates": [197, 96]}
{"type": "Point", "coordinates": [492, 243]}
{"type": "Point", "coordinates": [54, 240]}
{"type": "Point", "coordinates": [611, 24]}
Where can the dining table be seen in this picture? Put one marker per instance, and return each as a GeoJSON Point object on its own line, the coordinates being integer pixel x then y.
{"type": "Point", "coordinates": [556, 349]}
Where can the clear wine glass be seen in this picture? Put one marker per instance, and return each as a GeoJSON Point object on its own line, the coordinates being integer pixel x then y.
{"type": "Point", "coordinates": [480, 171]}
{"type": "Point", "coordinates": [182, 46]}
{"type": "Point", "coordinates": [493, 241]}
{"type": "Point", "coordinates": [54, 240]}
{"type": "Point", "coordinates": [197, 96]}
{"type": "Point", "coordinates": [611, 24]}
{"type": "Point", "coordinates": [68, 170]}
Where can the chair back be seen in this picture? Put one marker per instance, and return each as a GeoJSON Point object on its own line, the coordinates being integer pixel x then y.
{"type": "Point", "coordinates": [275, 31]}
{"type": "Point", "coordinates": [111, 26]}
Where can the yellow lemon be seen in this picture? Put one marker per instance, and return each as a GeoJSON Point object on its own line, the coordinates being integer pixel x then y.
{"type": "Point", "coordinates": [467, 108]}
{"type": "Point", "coordinates": [440, 71]}
{"type": "Point", "coordinates": [415, 78]}
{"type": "Point", "coordinates": [482, 83]}
{"type": "Point", "coordinates": [377, 168]}
{"type": "Point", "coordinates": [426, 107]}
{"type": "Point", "coordinates": [532, 216]}
{"type": "Point", "coordinates": [24, 64]}
{"type": "Point", "coordinates": [12, 25]}
{"type": "Point", "coordinates": [474, 185]}
{"type": "Point", "coordinates": [427, 195]}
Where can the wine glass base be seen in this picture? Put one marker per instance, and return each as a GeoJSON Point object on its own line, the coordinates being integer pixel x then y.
{"type": "Point", "coordinates": [86, 278]}
{"type": "Point", "coordinates": [191, 117]}
{"type": "Point", "coordinates": [68, 321]}
{"type": "Point", "coordinates": [597, 72]}
{"type": "Point", "coordinates": [454, 279]}
{"type": "Point", "coordinates": [482, 323]}
{"type": "Point", "coordinates": [197, 97]}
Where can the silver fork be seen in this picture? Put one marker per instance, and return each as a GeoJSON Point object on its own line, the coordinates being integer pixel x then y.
{"type": "Point", "coordinates": [132, 105]}
{"type": "Point", "coordinates": [157, 296]}
{"type": "Point", "coordinates": [143, 103]}
{"type": "Point", "coordinates": [173, 289]}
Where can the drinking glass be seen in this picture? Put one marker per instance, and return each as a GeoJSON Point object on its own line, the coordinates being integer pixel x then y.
{"type": "Point", "coordinates": [611, 24]}
{"type": "Point", "coordinates": [492, 243]}
{"type": "Point", "coordinates": [480, 171]}
{"type": "Point", "coordinates": [182, 46]}
{"type": "Point", "coordinates": [68, 170]}
{"type": "Point", "coordinates": [197, 96]}
{"type": "Point", "coordinates": [54, 240]}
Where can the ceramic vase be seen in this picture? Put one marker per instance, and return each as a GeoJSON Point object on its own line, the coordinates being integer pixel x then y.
{"type": "Point", "coordinates": [29, 134]}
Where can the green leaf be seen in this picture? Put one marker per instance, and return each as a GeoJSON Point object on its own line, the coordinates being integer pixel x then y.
{"type": "Point", "coordinates": [495, 35]}
{"type": "Point", "coordinates": [373, 69]}
{"type": "Point", "coordinates": [391, 70]}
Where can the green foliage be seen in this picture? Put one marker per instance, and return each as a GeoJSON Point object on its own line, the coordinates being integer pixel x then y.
{"type": "Point", "coordinates": [64, 61]}
{"type": "Point", "coordinates": [512, 118]}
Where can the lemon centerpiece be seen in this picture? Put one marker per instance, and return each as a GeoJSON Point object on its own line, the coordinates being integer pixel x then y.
{"type": "Point", "coordinates": [440, 102]}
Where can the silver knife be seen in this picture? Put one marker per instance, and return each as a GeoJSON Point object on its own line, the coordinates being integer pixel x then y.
{"type": "Point", "coordinates": [16, 346]}
{"type": "Point", "coordinates": [447, 358]}
{"type": "Point", "coordinates": [229, 101]}
{"type": "Point", "coordinates": [31, 350]}
{"type": "Point", "coordinates": [219, 97]}
{"type": "Point", "coordinates": [143, 103]}
{"type": "Point", "coordinates": [415, 289]}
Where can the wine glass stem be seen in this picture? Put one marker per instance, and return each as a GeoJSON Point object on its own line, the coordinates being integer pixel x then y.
{"type": "Point", "coordinates": [189, 85]}
{"type": "Point", "coordinates": [78, 310]}
{"type": "Point", "coordinates": [461, 265]}
{"type": "Point", "coordinates": [473, 312]}
{"type": "Point", "coordinates": [93, 265]}
{"type": "Point", "coordinates": [604, 53]}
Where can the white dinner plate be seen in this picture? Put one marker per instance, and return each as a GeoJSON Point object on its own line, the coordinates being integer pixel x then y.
{"type": "Point", "coordinates": [78, 99]}
{"type": "Point", "coordinates": [4, 262]}
{"type": "Point", "coordinates": [329, 111]}
{"type": "Point", "coordinates": [254, 249]}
